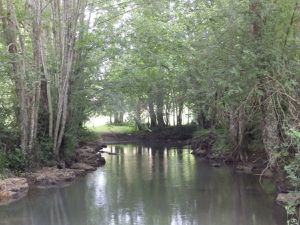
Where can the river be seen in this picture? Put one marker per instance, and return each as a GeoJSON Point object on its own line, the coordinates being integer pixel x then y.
{"type": "Point", "coordinates": [151, 186]}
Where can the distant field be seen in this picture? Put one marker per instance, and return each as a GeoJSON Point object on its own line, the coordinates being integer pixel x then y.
{"type": "Point", "coordinates": [102, 129]}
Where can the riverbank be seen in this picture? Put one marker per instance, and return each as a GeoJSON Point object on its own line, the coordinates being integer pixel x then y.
{"type": "Point", "coordinates": [87, 158]}
{"type": "Point", "coordinates": [166, 135]}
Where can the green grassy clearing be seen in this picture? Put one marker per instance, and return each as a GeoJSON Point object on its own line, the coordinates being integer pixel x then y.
{"type": "Point", "coordinates": [116, 129]}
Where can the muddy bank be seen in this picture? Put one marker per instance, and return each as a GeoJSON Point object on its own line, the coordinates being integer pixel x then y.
{"type": "Point", "coordinates": [13, 189]}
{"type": "Point", "coordinates": [170, 136]}
{"type": "Point", "coordinates": [57, 174]}
{"type": "Point", "coordinates": [212, 147]}
{"type": "Point", "coordinates": [111, 138]}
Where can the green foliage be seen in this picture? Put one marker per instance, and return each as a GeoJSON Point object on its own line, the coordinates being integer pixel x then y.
{"type": "Point", "coordinates": [17, 160]}
{"type": "Point", "coordinates": [222, 146]}
{"type": "Point", "coordinates": [215, 140]}
{"type": "Point", "coordinates": [71, 140]}
{"type": "Point", "coordinates": [45, 149]}
{"type": "Point", "coordinates": [293, 165]}
{"type": "Point", "coordinates": [291, 215]}
{"type": "Point", "coordinates": [8, 151]}
{"type": "Point", "coordinates": [293, 170]}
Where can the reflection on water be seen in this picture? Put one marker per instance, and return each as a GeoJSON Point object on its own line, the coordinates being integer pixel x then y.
{"type": "Point", "coordinates": [155, 186]}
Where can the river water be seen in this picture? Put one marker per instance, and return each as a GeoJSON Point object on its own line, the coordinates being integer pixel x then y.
{"type": "Point", "coordinates": [151, 186]}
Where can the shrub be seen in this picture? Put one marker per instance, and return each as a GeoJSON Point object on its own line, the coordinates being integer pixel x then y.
{"type": "Point", "coordinates": [293, 164]}
{"type": "Point", "coordinates": [45, 149]}
{"type": "Point", "coordinates": [3, 162]}
{"type": "Point", "coordinates": [16, 160]}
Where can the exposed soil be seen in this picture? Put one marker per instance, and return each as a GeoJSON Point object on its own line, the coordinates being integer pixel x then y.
{"type": "Point", "coordinates": [12, 189]}
{"type": "Point", "coordinates": [87, 159]}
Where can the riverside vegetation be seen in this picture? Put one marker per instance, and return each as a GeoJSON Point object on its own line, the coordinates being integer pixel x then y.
{"type": "Point", "coordinates": [229, 67]}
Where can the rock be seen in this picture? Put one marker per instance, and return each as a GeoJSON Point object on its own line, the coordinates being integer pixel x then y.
{"type": "Point", "coordinates": [61, 165]}
{"type": "Point", "coordinates": [69, 161]}
{"type": "Point", "coordinates": [83, 166]}
{"type": "Point", "coordinates": [288, 198]}
{"type": "Point", "coordinates": [284, 186]}
{"type": "Point", "coordinates": [215, 164]}
{"type": "Point", "coordinates": [245, 167]}
{"type": "Point", "coordinates": [12, 189]}
{"type": "Point", "coordinates": [199, 152]}
{"type": "Point", "coordinates": [51, 163]}
{"type": "Point", "coordinates": [50, 177]}
{"type": "Point", "coordinates": [110, 153]}
{"type": "Point", "coordinates": [88, 155]}
{"type": "Point", "coordinates": [97, 145]}
{"type": "Point", "coordinates": [102, 160]}
{"type": "Point", "coordinates": [268, 173]}
{"type": "Point", "coordinates": [261, 171]}
{"type": "Point", "coordinates": [100, 146]}
{"type": "Point", "coordinates": [79, 172]}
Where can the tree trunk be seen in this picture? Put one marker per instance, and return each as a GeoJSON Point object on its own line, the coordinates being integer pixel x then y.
{"type": "Point", "coordinates": [137, 116]}
{"type": "Point", "coordinates": [121, 117]}
{"type": "Point", "coordinates": [36, 8]}
{"type": "Point", "coordinates": [270, 123]}
{"type": "Point", "coordinates": [66, 27]}
{"type": "Point", "coordinates": [179, 115]}
{"type": "Point", "coordinates": [167, 113]}
{"type": "Point", "coordinates": [203, 121]}
{"type": "Point", "coordinates": [269, 120]}
{"type": "Point", "coordinates": [188, 116]}
{"type": "Point", "coordinates": [118, 117]}
{"type": "Point", "coordinates": [174, 111]}
{"type": "Point", "coordinates": [160, 112]}
{"type": "Point", "coordinates": [12, 35]}
{"type": "Point", "coordinates": [236, 130]}
{"type": "Point", "coordinates": [152, 114]}
{"type": "Point", "coordinates": [110, 118]}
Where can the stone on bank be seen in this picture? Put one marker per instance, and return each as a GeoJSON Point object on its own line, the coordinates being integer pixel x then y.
{"type": "Point", "coordinates": [12, 189]}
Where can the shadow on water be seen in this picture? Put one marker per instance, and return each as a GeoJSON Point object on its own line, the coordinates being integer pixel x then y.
{"type": "Point", "coordinates": [151, 186]}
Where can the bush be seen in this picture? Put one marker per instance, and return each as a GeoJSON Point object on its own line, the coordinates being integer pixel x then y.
{"type": "Point", "coordinates": [293, 171]}
{"type": "Point", "coordinates": [16, 160]}
{"type": "Point", "coordinates": [73, 137]}
{"type": "Point", "coordinates": [293, 166]}
{"type": "Point", "coordinates": [214, 141]}
{"type": "Point", "coordinates": [45, 149]}
{"type": "Point", "coordinates": [222, 145]}
{"type": "Point", "coordinates": [3, 162]}
{"type": "Point", "coordinates": [291, 215]}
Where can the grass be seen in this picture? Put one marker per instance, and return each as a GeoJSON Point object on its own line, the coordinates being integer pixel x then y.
{"type": "Point", "coordinates": [115, 129]}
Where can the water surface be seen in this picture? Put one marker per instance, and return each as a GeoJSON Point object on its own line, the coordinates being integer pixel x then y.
{"type": "Point", "coordinates": [151, 186]}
